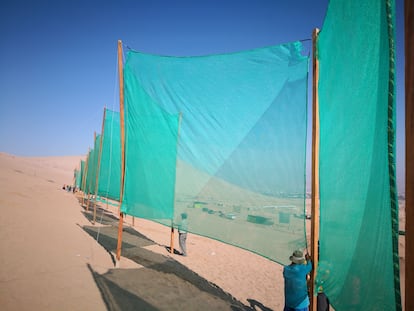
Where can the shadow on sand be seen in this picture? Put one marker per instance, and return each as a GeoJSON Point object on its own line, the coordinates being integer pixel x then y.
{"type": "Point", "coordinates": [161, 284]}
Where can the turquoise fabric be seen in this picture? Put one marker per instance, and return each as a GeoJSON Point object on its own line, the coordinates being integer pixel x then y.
{"type": "Point", "coordinates": [109, 180]}
{"type": "Point", "coordinates": [222, 138]}
{"type": "Point", "coordinates": [358, 250]}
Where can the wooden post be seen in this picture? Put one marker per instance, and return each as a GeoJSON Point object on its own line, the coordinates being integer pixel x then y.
{"type": "Point", "coordinates": [172, 239]}
{"type": "Point", "coordinates": [98, 166]}
{"type": "Point", "coordinates": [315, 171]}
{"type": "Point", "coordinates": [409, 153]}
{"type": "Point", "coordinates": [122, 124]}
{"type": "Point", "coordinates": [172, 220]}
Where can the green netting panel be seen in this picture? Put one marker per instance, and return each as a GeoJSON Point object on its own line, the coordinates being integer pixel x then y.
{"type": "Point", "coordinates": [79, 174]}
{"type": "Point", "coordinates": [237, 167]}
{"type": "Point", "coordinates": [93, 166]}
{"type": "Point", "coordinates": [109, 182]}
{"type": "Point", "coordinates": [358, 256]}
{"type": "Point", "coordinates": [89, 169]}
{"type": "Point", "coordinates": [151, 152]}
{"type": "Point", "coordinates": [94, 171]}
{"type": "Point", "coordinates": [84, 173]}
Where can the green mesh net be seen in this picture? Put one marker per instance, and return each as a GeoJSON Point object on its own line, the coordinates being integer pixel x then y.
{"type": "Point", "coordinates": [358, 247]}
{"type": "Point", "coordinates": [92, 167]}
{"type": "Point", "coordinates": [82, 186]}
{"type": "Point", "coordinates": [84, 174]}
{"type": "Point", "coordinates": [109, 178]}
{"type": "Point", "coordinates": [79, 174]}
{"type": "Point", "coordinates": [223, 139]}
{"type": "Point", "coordinates": [88, 170]}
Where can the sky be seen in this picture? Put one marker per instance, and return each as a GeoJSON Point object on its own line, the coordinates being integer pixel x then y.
{"type": "Point", "coordinates": [58, 59]}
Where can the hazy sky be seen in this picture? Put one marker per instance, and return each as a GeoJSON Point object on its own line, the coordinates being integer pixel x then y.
{"type": "Point", "coordinates": [58, 59]}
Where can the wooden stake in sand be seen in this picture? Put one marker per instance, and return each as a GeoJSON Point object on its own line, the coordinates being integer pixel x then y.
{"type": "Point", "coordinates": [409, 152]}
{"type": "Point", "coordinates": [315, 171]}
{"type": "Point", "coordinates": [172, 238]}
{"type": "Point", "coordinates": [122, 118]}
{"type": "Point", "coordinates": [172, 220]}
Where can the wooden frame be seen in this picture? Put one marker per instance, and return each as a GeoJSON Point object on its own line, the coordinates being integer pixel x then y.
{"type": "Point", "coordinates": [315, 171]}
{"type": "Point", "coordinates": [122, 116]}
{"type": "Point", "coordinates": [409, 152]}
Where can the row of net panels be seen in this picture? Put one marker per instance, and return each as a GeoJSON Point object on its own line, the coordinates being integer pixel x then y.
{"type": "Point", "coordinates": [222, 138]}
{"type": "Point", "coordinates": [100, 174]}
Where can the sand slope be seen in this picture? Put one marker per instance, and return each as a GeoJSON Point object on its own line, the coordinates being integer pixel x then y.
{"type": "Point", "coordinates": [44, 251]}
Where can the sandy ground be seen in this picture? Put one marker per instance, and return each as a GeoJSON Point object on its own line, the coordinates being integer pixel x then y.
{"type": "Point", "coordinates": [44, 250]}
{"type": "Point", "coordinates": [53, 258]}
